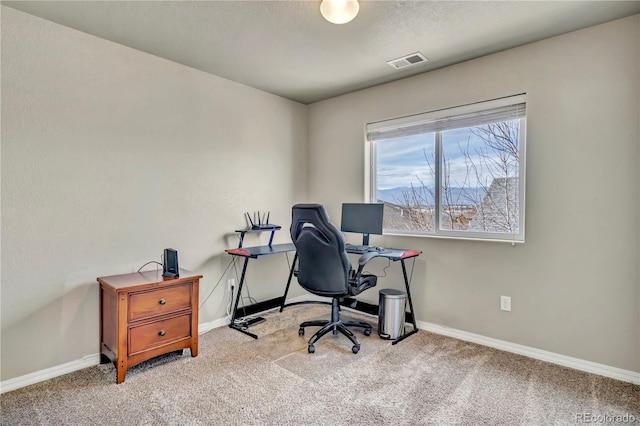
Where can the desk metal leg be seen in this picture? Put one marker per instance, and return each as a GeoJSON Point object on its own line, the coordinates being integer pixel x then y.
{"type": "Point", "coordinates": [286, 291]}
{"type": "Point", "coordinates": [413, 317]}
{"type": "Point", "coordinates": [235, 306]}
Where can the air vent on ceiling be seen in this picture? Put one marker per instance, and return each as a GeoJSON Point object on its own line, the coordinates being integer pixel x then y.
{"type": "Point", "coordinates": [407, 61]}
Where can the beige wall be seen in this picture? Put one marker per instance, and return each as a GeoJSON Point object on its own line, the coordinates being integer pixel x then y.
{"type": "Point", "coordinates": [574, 284]}
{"type": "Point", "coordinates": [109, 155]}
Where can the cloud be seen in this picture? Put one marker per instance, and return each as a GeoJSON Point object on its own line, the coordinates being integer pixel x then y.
{"type": "Point", "coordinates": [402, 162]}
{"type": "Point", "coordinates": [392, 176]}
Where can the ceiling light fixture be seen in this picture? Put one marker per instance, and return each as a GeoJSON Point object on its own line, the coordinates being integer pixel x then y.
{"type": "Point", "coordinates": [339, 11]}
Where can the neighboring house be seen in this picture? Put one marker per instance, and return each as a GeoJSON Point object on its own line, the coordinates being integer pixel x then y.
{"type": "Point", "coordinates": [498, 211]}
{"type": "Point", "coordinates": [400, 218]}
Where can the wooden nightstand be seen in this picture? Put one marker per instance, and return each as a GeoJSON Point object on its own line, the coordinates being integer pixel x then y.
{"type": "Point", "coordinates": [143, 315]}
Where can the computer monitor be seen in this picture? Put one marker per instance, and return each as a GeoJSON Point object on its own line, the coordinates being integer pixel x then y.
{"type": "Point", "coordinates": [362, 218]}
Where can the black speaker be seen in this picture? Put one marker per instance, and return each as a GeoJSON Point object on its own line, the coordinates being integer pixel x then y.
{"type": "Point", "coordinates": [170, 266]}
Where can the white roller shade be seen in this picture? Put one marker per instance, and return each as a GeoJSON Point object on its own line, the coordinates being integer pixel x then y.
{"type": "Point", "coordinates": [496, 110]}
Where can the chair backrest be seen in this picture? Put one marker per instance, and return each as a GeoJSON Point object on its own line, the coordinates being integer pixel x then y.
{"type": "Point", "coordinates": [323, 263]}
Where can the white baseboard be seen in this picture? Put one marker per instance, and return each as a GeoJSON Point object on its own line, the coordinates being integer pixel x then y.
{"type": "Point", "coordinates": [49, 373]}
{"type": "Point", "coordinates": [208, 326]}
{"type": "Point", "coordinates": [554, 358]}
{"type": "Point", "coordinates": [86, 361]}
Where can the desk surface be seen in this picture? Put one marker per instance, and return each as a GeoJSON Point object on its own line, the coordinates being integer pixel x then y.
{"type": "Point", "coordinates": [254, 252]}
{"type": "Point", "coordinates": [261, 250]}
{"type": "Point", "coordinates": [396, 254]}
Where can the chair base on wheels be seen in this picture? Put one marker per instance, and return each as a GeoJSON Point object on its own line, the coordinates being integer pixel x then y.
{"type": "Point", "coordinates": [337, 326]}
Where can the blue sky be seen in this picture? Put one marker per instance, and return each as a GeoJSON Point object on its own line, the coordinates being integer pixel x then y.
{"type": "Point", "coordinates": [401, 161]}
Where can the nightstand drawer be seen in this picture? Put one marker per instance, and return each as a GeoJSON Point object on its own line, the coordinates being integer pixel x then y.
{"type": "Point", "coordinates": [159, 333]}
{"type": "Point", "coordinates": [158, 302]}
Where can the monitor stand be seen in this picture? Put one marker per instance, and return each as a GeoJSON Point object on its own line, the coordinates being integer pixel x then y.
{"type": "Point", "coordinates": [365, 240]}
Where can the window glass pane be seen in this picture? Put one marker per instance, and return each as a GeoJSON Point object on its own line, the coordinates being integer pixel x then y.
{"type": "Point", "coordinates": [405, 181]}
{"type": "Point", "coordinates": [479, 178]}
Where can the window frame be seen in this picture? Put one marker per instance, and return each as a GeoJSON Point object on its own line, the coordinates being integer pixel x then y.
{"type": "Point", "coordinates": [441, 115]}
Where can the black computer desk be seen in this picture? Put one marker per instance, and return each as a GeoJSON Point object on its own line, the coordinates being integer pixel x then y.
{"type": "Point", "coordinates": [253, 253]}
{"type": "Point", "coordinates": [394, 255]}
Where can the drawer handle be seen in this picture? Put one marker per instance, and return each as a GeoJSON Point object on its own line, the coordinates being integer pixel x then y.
{"type": "Point", "coordinates": [162, 301]}
{"type": "Point", "coordinates": [161, 333]}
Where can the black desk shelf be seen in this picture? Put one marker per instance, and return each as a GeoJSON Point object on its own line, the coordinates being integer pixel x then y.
{"type": "Point", "coordinates": [258, 228]}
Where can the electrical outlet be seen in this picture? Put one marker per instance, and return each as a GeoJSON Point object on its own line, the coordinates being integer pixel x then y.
{"type": "Point", "coordinates": [505, 303]}
{"type": "Point", "coordinates": [231, 283]}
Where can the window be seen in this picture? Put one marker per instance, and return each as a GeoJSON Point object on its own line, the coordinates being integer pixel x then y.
{"type": "Point", "coordinates": [457, 172]}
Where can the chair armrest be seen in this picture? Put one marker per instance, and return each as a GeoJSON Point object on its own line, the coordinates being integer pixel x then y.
{"type": "Point", "coordinates": [366, 257]}
{"type": "Point", "coordinates": [358, 281]}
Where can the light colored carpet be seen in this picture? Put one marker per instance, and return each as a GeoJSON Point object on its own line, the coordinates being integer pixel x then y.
{"type": "Point", "coordinates": [236, 380]}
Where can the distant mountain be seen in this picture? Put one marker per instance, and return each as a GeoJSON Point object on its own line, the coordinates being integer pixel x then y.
{"type": "Point", "coordinates": [457, 195]}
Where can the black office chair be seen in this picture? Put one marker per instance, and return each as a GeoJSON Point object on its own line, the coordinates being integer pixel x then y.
{"type": "Point", "coordinates": [324, 269]}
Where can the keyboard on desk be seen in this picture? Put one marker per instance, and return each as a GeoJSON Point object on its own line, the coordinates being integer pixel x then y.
{"type": "Point", "coordinates": [351, 248]}
{"type": "Point", "coordinates": [360, 249]}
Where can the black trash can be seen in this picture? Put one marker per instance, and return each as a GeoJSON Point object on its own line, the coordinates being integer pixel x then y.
{"type": "Point", "coordinates": [391, 313]}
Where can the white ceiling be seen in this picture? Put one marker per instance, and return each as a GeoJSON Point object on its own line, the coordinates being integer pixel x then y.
{"type": "Point", "coordinates": [287, 48]}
